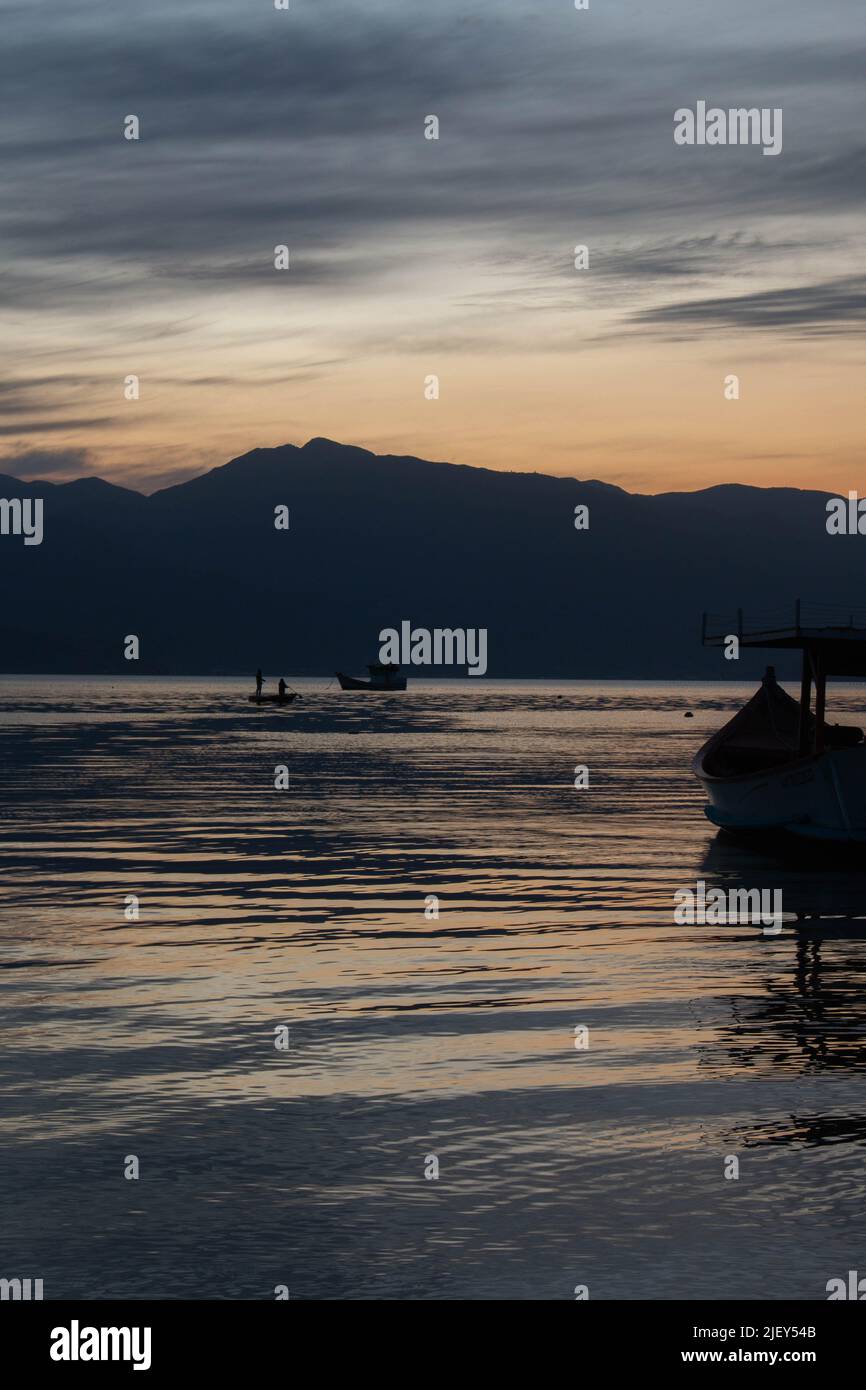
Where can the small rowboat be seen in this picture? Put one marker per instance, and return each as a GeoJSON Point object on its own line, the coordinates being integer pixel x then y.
{"type": "Point", "coordinates": [286, 699]}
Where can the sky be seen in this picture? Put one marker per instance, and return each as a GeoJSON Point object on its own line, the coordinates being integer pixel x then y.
{"type": "Point", "coordinates": [412, 258]}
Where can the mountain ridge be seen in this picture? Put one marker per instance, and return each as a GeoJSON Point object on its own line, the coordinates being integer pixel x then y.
{"type": "Point", "coordinates": [200, 573]}
{"type": "Point", "coordinates": [318, 441]}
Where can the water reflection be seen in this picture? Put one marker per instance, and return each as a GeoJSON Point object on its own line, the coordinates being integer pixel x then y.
{"type": "Point", "coordinates": [410, 1034]}
{"type": "Point", "coordinates": [810, 1013]}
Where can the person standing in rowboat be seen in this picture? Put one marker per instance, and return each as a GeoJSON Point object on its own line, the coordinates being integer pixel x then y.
{"type": "Point", "coordinates": [282, 688]}
{"type": "Point", "coordinates": [259, 679]}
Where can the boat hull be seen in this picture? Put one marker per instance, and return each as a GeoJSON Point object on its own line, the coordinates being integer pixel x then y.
{"type": "Point", "coordinates": [354, 683]}
{"type": "Point", "coordinates": [820, 797]}
{"type": "Point", "coordinates": [271, 699]}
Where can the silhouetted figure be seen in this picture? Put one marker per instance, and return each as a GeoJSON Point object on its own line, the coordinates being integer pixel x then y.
{"type": "Point", "coordinates": [259, 679]}
{"type": "Point", "coordinates": [282, 687]}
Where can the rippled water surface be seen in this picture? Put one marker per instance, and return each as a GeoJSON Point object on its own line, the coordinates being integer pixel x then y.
{"type": "Point", "coordinates": [411, 1036]}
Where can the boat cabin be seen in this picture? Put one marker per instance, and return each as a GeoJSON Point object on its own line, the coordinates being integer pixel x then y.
{"type": "Point", "coordinates": [773, 728]}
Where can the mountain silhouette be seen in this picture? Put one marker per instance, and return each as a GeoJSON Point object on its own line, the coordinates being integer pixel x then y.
{"type": "Point", "coordinates": [201, 575]}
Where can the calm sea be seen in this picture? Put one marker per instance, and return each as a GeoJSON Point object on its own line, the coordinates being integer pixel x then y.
{"type": "Point", "coordinates": [414, 1041]}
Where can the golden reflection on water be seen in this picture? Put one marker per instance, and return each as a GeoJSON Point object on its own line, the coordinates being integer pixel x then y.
{"type": "Point", "coordinates": [306, 908]}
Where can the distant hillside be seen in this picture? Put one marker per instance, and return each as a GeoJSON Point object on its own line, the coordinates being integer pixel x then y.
{"type": "Point", "coordinates": [201, 575]}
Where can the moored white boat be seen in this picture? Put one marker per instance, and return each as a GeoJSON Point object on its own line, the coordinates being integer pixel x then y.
{"type": "Point", "coordinates": [776, 766]}
{"type": "Point", "coordinates": [755, 780]}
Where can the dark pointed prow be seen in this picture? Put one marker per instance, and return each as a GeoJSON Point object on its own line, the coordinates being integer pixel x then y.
{"type": "Point", "coordinates": [777, 765]}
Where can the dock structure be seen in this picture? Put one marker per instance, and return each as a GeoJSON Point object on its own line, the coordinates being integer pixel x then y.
{"type": "Point", "coordinates": [831, 638]}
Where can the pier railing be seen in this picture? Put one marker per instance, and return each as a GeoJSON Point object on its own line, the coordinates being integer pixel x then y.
{"type": "Point", "coordinates": [803, 620]}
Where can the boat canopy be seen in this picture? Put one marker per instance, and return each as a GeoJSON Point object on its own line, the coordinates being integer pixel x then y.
{"type": "Point", "coordinates": [766, 733]}
{"type": "Point", "coordinates": [832, 640]}
{"type": "Point", "coordinates": [834, 637]}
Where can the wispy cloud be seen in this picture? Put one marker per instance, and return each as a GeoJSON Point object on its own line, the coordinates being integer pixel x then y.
{"type": "Point", "coordinates": [45, 463]}
{"type": "Point", "coordinates": [306, 128]}
{"type": "Point", "coordinates": [837, 306]}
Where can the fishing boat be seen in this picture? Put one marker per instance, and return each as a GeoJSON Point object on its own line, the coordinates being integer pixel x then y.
{"type": "Point", "coordinates": [777, 766]}
{"type": "Point", "coordinates": [286, 699]}
{"type": "Point", "coordinates": [383, 676]}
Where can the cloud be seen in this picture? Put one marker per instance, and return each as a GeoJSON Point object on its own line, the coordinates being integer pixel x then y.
{"type": "Point", "coordinates": [42, 426]}
{"type": "Point", "coordinates": [43, 463]}
{"type": "Point", "coordinates": [836, 306]}
{"type": "Point", "coordinates": [306, 128]}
